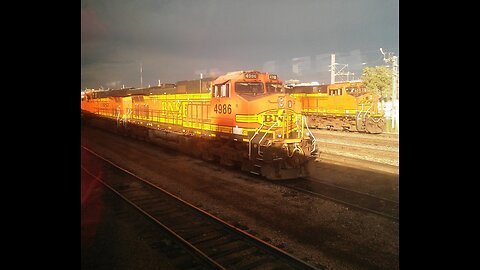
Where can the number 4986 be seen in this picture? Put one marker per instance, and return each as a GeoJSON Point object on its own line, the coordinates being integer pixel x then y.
{"type": "Point", "coordinates": [223, 108]}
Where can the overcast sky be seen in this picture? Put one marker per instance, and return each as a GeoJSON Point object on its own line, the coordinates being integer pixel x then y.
{"type": "Point", "coordinates": [179, 39]}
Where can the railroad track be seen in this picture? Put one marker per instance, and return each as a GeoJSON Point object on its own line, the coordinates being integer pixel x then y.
{"type": "Point", "coordinates": [358, 150]}
{"type": "Point", "coordinates": [164, 245]}
{"type": "Point", "coordinates": [355, 199]}
{"type": "Point", "coordinates": [218, 244]}
{"type": "Point", "coordinates": [355, 133]}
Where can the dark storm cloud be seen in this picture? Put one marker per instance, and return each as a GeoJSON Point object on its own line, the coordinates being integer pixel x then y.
{"type": "Point", "coordinates": [176, 40]}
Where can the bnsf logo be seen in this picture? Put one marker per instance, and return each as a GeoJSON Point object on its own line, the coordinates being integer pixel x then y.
{"type": "Point", "coordinates": [268, 118]}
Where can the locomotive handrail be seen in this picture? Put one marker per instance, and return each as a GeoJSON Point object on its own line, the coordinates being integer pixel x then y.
{"type": "Point", "coordinates": [250, 141]}
{"type": "Point", "coordinates": [311, 134]}
{"type": "Point", "coordinates": [294, 150]}
{"type": "Point", "coordinates": [126, 115]}
{"type": "Point", "coordinates": [371, 106]}
{"type": "Point", "coordinates": [360, 112]}
{"type": "Point", "coordinates": [260, 142]}
{"type": "Point", "coordinates": [118, 117]}
{"type": "Point", "coordinates": [365, 114]}
{"type": "Point", "coordinates": [296, 123]}
{"type": "Point", "coordinates": [373, 119]}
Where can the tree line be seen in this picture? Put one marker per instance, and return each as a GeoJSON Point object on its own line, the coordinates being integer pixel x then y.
{"type": "Point", "coordinates": [378, 80]}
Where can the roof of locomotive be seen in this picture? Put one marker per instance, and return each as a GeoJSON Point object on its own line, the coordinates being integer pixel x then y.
{"type": "Point", "coordinates": [355, 82]}
{"type": "Point", "coordinates": [228, 76]}
{"type": "Point", "coordinates": [166, 88]}
{"type": "Point", "coordinates": [236, 75]}
{"type": "Point", "coordinates": [169, 88]}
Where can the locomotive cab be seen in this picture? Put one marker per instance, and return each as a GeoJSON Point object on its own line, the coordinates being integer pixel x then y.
{"type": "Point", "coordinates": [255, 105]}
{"type": "Point", "coordinates": [247, 99]}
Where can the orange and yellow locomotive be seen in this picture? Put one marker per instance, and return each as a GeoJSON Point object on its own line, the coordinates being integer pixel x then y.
{"type": "Point", "coordinates": [242, 118]}
{"type": "Point", "coordinates": [340, 106]}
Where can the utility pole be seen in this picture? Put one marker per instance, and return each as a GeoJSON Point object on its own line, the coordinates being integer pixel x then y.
{"type": "Point", "coordinates": [392, 59]}
{"type": "Point", "coordinates": [201, 77]}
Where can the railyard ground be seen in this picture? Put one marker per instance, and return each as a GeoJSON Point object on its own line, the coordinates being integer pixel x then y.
{"type": "Point", "coordinates": [314, 229]}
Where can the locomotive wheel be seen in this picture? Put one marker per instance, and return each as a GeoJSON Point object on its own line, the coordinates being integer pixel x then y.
{"type": "Point", "coordinates": [375, 126]}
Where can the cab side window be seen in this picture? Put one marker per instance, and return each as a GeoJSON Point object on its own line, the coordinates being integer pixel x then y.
{"type": "Point", "coordinates": [221, 90]}
{"type": "Point", "coordinates": [335, 92]}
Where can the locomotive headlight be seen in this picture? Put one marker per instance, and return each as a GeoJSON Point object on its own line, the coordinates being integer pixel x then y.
{"type": "Point", "coordinates": [280, 102]}
{"type": "Point", "coordinates": [290, 104]}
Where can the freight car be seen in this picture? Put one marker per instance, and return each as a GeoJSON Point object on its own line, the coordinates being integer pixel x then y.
{"type": "Point", "coordinates": [241, 118]}
{"type": "Point", "coordinates": [340, 106]}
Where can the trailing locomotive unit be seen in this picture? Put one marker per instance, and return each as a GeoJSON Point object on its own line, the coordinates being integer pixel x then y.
{"type": "Point", "coordinates": [340, 106]}
{"type": "Point", "coordinates": [243, 118]}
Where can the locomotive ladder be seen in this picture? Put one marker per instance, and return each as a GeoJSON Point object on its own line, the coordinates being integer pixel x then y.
{"type": "Point", "coordinates": [117, 114]}
{"type": "Point", "coordinates": [250, 141]}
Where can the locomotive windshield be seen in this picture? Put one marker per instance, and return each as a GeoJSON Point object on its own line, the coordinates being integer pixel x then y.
{"type": "Point", "coordinates": [249, 87]}
{"type": "Point", "coordinates": [274, 88]}
{"type": "Point", "coordinates": [356, 91]}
